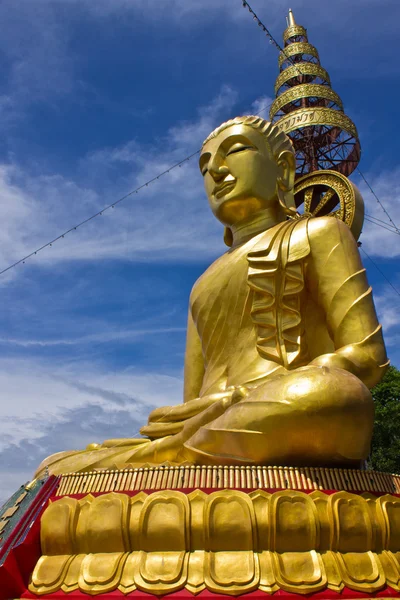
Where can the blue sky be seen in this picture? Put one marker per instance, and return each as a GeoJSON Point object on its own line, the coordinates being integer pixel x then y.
{"type": "Point", "coordinates": [97, 97]}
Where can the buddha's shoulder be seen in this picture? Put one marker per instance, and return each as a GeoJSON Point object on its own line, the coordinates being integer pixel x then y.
{"type": "Point", "coordinates": [327, 229]}
{"type": "Point", "coordinates": [214, 271]}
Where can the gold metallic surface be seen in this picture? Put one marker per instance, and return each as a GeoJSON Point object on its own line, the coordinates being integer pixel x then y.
{"type": "Point", "coordinates": [304, 90]}
{"type": "Point", "coordinates": [228, 542]}
{"type": "Point", "coordinates": [294, 30]}
{"type": "Point", "coordinates": [283, 339]}
{"type": "Point", "coordinates": [298, 70]}
{"type": "Point", "coordinates": [325, 141]}
{"type": "Point", "coordinates": [233, 477]}
{"type": "Point", "coordinates": [319, 191]}
{"type": "Point", "coordinates": [297, 48]}
{"type": "Point", "coordinates": [316, 116]}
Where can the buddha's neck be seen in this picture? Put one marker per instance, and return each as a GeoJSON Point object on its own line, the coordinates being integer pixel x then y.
{"type": "Point", "coordinates": [245, 230]}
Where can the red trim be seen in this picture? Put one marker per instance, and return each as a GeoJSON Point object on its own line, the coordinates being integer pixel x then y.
{"type": "Point", "coordinates": [22, 550]}
{"type": "Point", "coordinates": [346, 594]}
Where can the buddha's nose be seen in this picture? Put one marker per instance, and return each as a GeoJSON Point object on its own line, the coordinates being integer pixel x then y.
{"type": "Point", "coordinates": [217, 167]}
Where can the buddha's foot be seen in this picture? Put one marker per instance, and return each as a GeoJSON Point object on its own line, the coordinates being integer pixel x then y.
{"type": "Point", "coordinates": [93, 457]}
{"type": "Point", "coordinates": [121, 453]}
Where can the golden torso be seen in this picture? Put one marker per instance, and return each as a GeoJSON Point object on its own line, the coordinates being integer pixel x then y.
{"type": "Point", "coordinates": [220, 302]}
{"type": "Point", "coordinates": [224, 307]}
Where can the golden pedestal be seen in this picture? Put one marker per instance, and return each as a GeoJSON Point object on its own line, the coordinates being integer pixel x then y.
{"type": "Point", "coordinates": [227, 530]}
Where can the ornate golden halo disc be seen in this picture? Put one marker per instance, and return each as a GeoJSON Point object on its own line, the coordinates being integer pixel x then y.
{"type": "Point", "coordinates": [325, 192]}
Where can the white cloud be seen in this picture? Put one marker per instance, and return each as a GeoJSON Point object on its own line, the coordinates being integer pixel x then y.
{"type": "Point", "coordinates": [168, 220]}
{"type": "Point", "coordinates": [377, 240]}
{"type": "Point", "coordinates": [388, 309]}
{"type": "Point", "coordinates": [112, 335]}
{"type": "Point", "coordinates": [46, 408]}
{"type": "Point", "coordinates": [261, 107]}
{"type": "Point", "coordinates": [33, 391]}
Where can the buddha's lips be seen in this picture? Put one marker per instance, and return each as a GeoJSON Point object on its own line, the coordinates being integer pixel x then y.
{"type": "Point", "coordinates": [224, 188]}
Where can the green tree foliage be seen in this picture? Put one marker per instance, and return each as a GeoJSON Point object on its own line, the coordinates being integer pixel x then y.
{"type": "Point", "coordinates": [385, 451]}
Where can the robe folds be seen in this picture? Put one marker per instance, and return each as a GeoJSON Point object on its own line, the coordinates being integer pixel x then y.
{"type": "Point", "coordinates": [282, 334]}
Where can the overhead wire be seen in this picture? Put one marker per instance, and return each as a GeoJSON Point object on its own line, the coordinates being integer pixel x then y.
{"type": "Point", "coordinates": [296, 65]}
{"type": "Point", "coordinates": [269, 34]}
{"type": "Point", "coordinates": [381, 272]}
{"type": "Point", "coordinates": [371, 220]}
{"type": "Point", "coordinates": [99, 213]}
{"type": "Point", "coordinates": [390, 227]}
{"type": "Point", "coordinates": [108, 207]}
{"type": "Point", "coordinates": [22, 260]}
{"type": "Point", "coordinates": [378, 201]}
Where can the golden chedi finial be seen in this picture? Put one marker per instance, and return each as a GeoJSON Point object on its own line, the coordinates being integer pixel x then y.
{"type": "Point", "coordinates": [309, 111]}
{"type": "Point", "coordinates": [290, 19]}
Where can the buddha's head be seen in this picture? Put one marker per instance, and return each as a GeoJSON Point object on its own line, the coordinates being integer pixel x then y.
{"type": "Point", "coordinates": [248, 167]}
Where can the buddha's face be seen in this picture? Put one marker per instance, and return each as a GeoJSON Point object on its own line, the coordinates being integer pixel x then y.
{"type": "Point", "coordinates": [240, 174]}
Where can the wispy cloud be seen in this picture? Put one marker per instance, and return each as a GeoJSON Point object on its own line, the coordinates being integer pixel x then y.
{"type": "Point", "coordinates": [85, 120]}
{"type": "Point", "coordinates": [388, 309]}
{"type": "Point", "coordinates": [261, 106]}
{"type": "Point", "coordinates": [378, 241]}
{"type": "Point", "coordinates": [103, 337]}
{"type": "Point", "coordinates": [168, 220]}
{"type": "Point", "coordinates": [46, 408]}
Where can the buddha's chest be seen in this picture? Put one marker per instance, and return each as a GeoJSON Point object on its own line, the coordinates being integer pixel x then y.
{"type": "Point", "coordinates": [256, 289]}
{"type": "Point", "coordinates": [221, 287]}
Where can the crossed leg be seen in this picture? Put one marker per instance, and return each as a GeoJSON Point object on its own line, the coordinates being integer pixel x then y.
{"type": "Point", "coordinates": [311, 416]}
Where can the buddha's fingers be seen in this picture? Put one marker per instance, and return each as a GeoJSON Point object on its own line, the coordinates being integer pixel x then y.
{"type": "Point", "coordinates": [181, 412]}
{"type": "Point", "coordinates": [159, 430]}
{"type": "Point", "coordinates": [170, 448]}
{"type": "Point", "coordinates": [114, 443]}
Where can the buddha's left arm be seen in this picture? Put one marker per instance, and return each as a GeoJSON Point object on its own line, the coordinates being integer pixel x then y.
{"type": "Point", "coordinates": [337, 280]}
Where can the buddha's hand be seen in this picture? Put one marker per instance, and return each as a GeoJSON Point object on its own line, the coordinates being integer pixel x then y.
{"type": "Point", "coordinates": [169, 420]}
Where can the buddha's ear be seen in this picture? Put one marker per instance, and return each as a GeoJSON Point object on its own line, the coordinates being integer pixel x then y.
{"type": "Point", "coordinates": [228, 237]}
{"type": "Point", "coordinates": [286, 162]}
{"type": "Point", "coordinates": [287, 169]}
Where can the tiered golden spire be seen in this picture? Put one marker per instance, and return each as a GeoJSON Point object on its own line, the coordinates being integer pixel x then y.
{"type": "Point", "coordinates": [309, 111]}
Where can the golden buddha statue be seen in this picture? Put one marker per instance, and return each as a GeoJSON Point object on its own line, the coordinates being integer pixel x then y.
{"type": "Point", "coordinates": [283, 341]}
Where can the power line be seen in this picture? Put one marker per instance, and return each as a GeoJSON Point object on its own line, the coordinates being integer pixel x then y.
{"type": "Point", "coordinates": [381, 272]}
{"type": "Point", "coordinates": [99, 213]}
{"type": "Point", "coordinates": [393, 227]}
{"type": "Point", "coordinates": [379, 220]}
{"type": "Point", "coordinates": [379, 202]}
{"type": "Point", "coordinates": [291, 60]}
{"type": "Point", "coordinates": [390, 228]}
{"type": "Point", "coordinates": [150, 181]}
{"type": "Point", "coordinates": [269, 35]}
{"type": "Point", "coordinates": [103, 210]}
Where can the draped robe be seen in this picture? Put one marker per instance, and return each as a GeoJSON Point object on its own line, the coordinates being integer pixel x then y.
{"type": "Point", "coordinates": [279, 302]}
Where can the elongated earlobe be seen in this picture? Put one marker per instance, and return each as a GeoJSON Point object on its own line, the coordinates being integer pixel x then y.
{"type": "Point", "coordinates": [286, 201]}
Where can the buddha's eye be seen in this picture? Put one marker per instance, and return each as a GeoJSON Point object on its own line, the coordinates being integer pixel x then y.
{"type": "Point", "coordinates": [239, 147]}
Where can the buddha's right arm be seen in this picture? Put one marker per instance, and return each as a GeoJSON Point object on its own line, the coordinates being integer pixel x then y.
{"type": "Point", "coordinates": [194, 363]}
{"type": "Point", "coordinates": [338, 283]}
